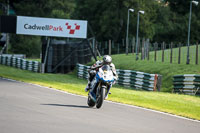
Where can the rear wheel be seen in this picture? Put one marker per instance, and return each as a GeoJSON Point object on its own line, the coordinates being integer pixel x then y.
{"type": "Point", "coordinates": [100, 98]}
{"type": "Point", "coordinates": [90, 102]}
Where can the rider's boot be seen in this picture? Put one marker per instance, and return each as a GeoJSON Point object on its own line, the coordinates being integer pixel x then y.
{"type": "Point", "coordinates": [88, 87]}
{"type": "Point", "coordinates": [92, 92]}
{"type": "Point", "coordinates": [92, 95]}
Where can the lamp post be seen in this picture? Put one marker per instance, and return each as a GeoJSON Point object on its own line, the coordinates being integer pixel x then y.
{"type": "Point", "coordinates": [188, 43]}
{"type": "Point", "coordinates": [132, 10]}
{"type": "Point", "coordinates": [137, 32]}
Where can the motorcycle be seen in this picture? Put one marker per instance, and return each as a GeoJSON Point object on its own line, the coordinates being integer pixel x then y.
{"type": "Point", "coordinates": [100, 86]}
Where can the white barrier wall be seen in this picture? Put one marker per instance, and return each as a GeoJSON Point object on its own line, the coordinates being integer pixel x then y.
{"type": "Point", "coordinates": [187, 84]}
{"type": "Point", "coordinates": [129, 78]}
{"type": "Point", "coordinates": [20, 63]}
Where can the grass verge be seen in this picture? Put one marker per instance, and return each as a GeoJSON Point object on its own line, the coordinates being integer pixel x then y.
{"type": "Point", "coordinates": [166, 69]}
{"type": "Point", "coordinates": [182, 105]}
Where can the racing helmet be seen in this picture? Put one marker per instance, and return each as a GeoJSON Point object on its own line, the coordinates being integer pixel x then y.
{"type": "Point", "coordinates": [107, 59]}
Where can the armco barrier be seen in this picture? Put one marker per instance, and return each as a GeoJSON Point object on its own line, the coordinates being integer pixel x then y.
{"type": "Point", "coordinates": [15, 55]}
{"type": "Point", "coordinates": [129, 78]}
{"type": "Point", "coordinates": [187, 84]}
{"type": "Point", "coordinates": [20, 63]}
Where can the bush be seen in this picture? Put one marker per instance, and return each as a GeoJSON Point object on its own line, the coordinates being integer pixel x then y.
{"type": "Point", "coordinates": [28, 45]}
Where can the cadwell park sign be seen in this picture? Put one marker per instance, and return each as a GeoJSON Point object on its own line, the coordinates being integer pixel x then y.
{"type": "Point", "coordinates": [43, 26]}
{"type": "Point", "coordinates": [51, 27]}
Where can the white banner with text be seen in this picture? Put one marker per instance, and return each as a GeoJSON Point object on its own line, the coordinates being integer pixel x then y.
{"type": "Point", "coordinates": [51, 27]}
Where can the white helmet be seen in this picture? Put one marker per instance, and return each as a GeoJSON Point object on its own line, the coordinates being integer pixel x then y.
{"type": "Point", "coordinates": [107, 59]}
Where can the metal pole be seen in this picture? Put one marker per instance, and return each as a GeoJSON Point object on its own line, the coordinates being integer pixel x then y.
{"type": "Point", "coordinates": [93, 45]}
{"type": "Point", "coordinates": [188, 43]}
{"type": "Point", "coordinates": [109, 47]}
{"type": "Point", "coordinates": [127, 34]}
{"type": "Point", "coordinates": [7, 35]}
{"type": "Point", "coordinates": [137, 36]}
{"type": "Point", "coordinates": [46, 55]}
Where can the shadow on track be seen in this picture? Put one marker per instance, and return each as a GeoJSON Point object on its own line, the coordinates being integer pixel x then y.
{"type": "Point", "coordinates": [62, 105]}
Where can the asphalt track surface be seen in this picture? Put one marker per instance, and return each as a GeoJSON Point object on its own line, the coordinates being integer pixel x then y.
{"type": "Point", "coordinates": [26, 108]}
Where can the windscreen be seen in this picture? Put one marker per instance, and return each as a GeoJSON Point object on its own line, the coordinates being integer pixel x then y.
{"type": "Point", "coordinates": [106, 68]}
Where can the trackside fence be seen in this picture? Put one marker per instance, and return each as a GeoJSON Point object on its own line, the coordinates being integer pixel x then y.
{"type": "Point", "coordinates": [20, 63]}
{"type": "Point", "coordinates": [187, 84]}
{"type": "Point", "coordinates": [129, 78]}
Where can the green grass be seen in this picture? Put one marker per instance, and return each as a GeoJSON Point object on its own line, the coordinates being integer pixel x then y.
{"type": "Point", "coordinates": [182, 105]}
{"type": "Point", "coordinates": [167, 70]}
{"type": "Point", "coordinates": [39, 60]}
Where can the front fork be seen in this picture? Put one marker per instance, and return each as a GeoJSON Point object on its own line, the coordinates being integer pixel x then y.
{"type": "Point", "coordinates": [108, 90]}
{"type": "Point", "coordinates": [97, 87]}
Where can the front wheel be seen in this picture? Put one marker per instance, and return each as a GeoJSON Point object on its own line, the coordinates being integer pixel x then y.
{"type": "Point", "coordinates": [101, 97]}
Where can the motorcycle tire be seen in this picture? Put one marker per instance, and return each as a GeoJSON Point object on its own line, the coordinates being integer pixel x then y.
{"type": "Point", "coordinates": [100, 98]}
{"type": "Point", "coordinates": [90, 102]}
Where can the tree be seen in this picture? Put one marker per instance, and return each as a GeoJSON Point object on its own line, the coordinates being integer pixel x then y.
{"type": "Point", "coordinates": [179, 6]}
{"type": "Point", "coordinates": [28, 45]}
{"type": "Point", "coordinates": [163, 21]}
{"type": "Point", "coordinates": [108, 18]}
{"type": "Point", "coordinates": [164, 27]}
{"type": "Point", "coordinates": [44, 8]}
{"type": "Point", "coordinates": [181, 10]}
{"type": "Point", "coordinates": [105, 17]}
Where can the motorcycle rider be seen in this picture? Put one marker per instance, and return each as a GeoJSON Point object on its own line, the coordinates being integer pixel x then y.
{"type": "Point", "coordinates": [107, 60]}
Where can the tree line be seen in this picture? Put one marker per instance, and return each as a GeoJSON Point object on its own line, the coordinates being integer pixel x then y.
{"type": "Point", "coordinates": [163, 20]}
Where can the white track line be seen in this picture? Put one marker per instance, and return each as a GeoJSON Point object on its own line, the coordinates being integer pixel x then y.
{"type": "Point", "coordinates": [132, 106]}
